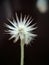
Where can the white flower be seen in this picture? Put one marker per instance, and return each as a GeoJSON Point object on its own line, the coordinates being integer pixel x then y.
{"type": "Point", "coordinates": [21, 29]}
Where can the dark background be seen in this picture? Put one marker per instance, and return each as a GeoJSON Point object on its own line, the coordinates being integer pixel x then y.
{"type": "Point", "coordinates": [35, 54]}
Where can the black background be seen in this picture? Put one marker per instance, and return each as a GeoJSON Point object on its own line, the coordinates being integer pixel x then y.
{"type": "Point", "coordinates": [35, 54]}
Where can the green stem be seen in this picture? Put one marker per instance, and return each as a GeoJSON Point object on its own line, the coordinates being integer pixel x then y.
{"type": "Point", "coordinates": [22, 52]}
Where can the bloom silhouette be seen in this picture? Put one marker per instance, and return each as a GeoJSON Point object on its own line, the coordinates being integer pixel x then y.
{"type": "Point", "coordinates": [21, 29]}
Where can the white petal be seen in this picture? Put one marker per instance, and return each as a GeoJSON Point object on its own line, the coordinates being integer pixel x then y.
{"type": "Point", "coordinates": [14, 22]}
{"type": "Point", "coordinates": [25, 19]}
{"type": "Point", "coordinates": [32, 25]}
{"type": "Point", "coordinates": [11, 37]}
{"type": "Point", "coordinates": [32, 35]}
{"type": "Point", "coordinates": [11, 22]}
{"type": "Point", "coordinates": [27, 40]}
{"type": "Point", "coordinates": [17, 18]}
{"type": "Point", "coordinates": [21, 18]}
{"type": "Point", "coordinates": [10, 27]}
{"type": "Point", "coordinates": [28, 23]}
{"type": "Point", "coordinates": [11, 32]}
{"type": "Point", "coordinates": [17, 37]}
{"type": "Point", "coordinates": [31, 29]}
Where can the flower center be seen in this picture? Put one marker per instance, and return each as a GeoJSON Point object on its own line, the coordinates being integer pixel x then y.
{"type": "Point", "coordinates": [21, 30]}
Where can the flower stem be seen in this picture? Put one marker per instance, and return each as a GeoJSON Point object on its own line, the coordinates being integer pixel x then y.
{"type": "Point", "coordinates": [22, 52]}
